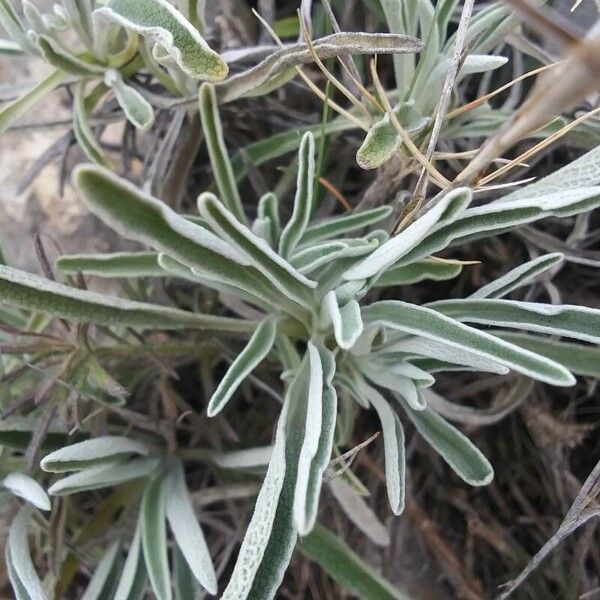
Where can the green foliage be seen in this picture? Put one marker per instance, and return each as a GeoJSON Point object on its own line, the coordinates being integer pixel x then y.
{"type": "Point", "coordinates": [312, 305]}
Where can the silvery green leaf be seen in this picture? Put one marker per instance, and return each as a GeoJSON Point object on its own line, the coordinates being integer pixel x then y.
{"type": "Point", "coordinates": [186, 530]}
{"type": "Point", "coordinates": [154, 535]}
{"type": "Point", "coordinates": [92, 452]}
{"type": "Point", "coordinates": [99, 586]}
{"type": "Point", "coordinates": [340, 225]}
{"type": "Point", "coordinates": [305, 509]}
{"type": "Point", "coordinates": [83, 132]}
{"type": "Point", "coordinates": [268, 209]}
{"type": "Point", "coordinates": [23, 486]}
{"type": "Point", "coordinates": [392, 379]}
{"type": "Point", "coordinates": [518, 277]}
{"type": "Point", "coordinates": [12, 24]}
{"type": "Point", "coordinates": [479, 221]}
{"type": "Point", "coordinates": [308, 260]}
{"type": "Point", "coordinates": [243, 459]}
{"type": "Point", "coordinates": [281, 274]}
{"type": "Point", "coordinates": [249, 288]}
{"type": "Point", "coordinates": [173, 36]}
{"type": "Point", "coordinates": [584, 172]}
{"type": "Point", "coordinates": [473, 63]}
{"type": "Point", "coordinates": [117, 264]}
{"type": "Point", "coordinates": [31, 292]}
{"type": "Point", "coordinates": [184, 583]}
{"type": "Point", "coordinates": [453, 203]}
{"type": "Point", "coordinates": [465, 459]}
{"type": "Point", "coordinates": [439, 350]}
{"type": "Point", "coordinates": [14, 110]}
{"type": "Point", "coordinates": [104, 475]}
{"type": "Point", "coordinates": [26, 580]}
{"type": "Point", "coordinates": [8, 48]}
{"type": "Point", "coordinates": [431, 324]}
{"type": "Point", "coordinates": [393, 441]}
{"type": "Point", "coordinates": [346, 320]}
{"type": "Point", "coordinates": [80, 15]}
{"type": "Point", "coordinates": [137, 109]}
{"type": "Point", "coordinates": [394, 368]}
{"type": "Point", "coordinates": [252, 355]}
{"type": "Point", "coordinates": [54, 53]}
{"type": "Point", "coordinates": [577, 322]}
{"type": "Point", "coordinates": [577, 358]}
{"type": "Point", "coordinates": [420, 270]}
{"type": "Point", "coordinates": [346, 567]}
{"type": "Point", "coordinates": [312, 429]}
{"type": "Point", "coordinates": [258, 534]}
{"type": "Point", "coordinates": [141, 217]}
{"type": "Point", "coordinates": [382, 140]}
{"type": "Point", "coordinates": [37, 23]}
{"type": "Point", "coordinates": [17, 587]}
{"type": "Point", "coordinates": [303, 202]}
{"type": "Point", "coordinates": [133, 577]}
{"type": "Point", "coordinates": [330, 46]}
{"type": "Point", "coordinates": [359, 512]}
{"type": "Point", "coordinates": [217, 151]}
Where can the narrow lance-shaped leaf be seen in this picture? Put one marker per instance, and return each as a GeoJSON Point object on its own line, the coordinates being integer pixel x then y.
{"type": "Point", "coordinates": [439, 350]}
{"type": "Point", "coordinates": [143, 218]}
{"type": "Point", "coordinates": [83, 132]}
{"type": "Point", "coordinates": [431, 324]}
{"type": "Point", "coordinates": [260, 528]}
{"type": "Point", "coordinates": [117, 264]}
{"type": "Point", "coordinates": [346, 567]}
{"type": "Point", "coordinates": [92, 452]}
{"type": "Point", "coordinates": [319, 463]}
{"type": "Point", "coordinates": [173, 36]}
{"type": "Point", "coordinates": [388, 253]}
{"type": "Point", "coordinates": [346, 320]}
{"type": "Point", "coordinates": [577, 358]}
{"type": "Point", "coordinates": [186, 530]}
{"type": "Point", "coordinates": [14, 110]}
{"type": "Point", "coordinates": [12, 24]}
{"type": "Point", "coordinates": [330, 46]}
{"type": "Point", "coordinates": [106, 475]}
{"type": "Point", "coordinates": [340, 225]}
{"type": "Point", "coordinates": [252, 355]}
{"type": "Point", "coordinates": [268, 209]}
{"type": "Point", "coordinates": [154, 536]}
{"type": "Point", "coordinates": [580, 173]}
{"type": "Point", "coordinates": [577, 322]}
{"type": "Point", "coordinates": [419, 271]}
{"type": "Point", "coordinates": [518, 277]}
{"type": "Point", "coordinates": [99, 586]}
{"type": "Point", "coordinates": [31, 292]}
{"type": "Point", "coordinates": [62, 59]}
{"type": "Point", "coordinates": [25, 574]}
{"type": "Point", "coordinates": [303, 202]}
{"type": "Point", "coordinates": [137, 109]}
{"type": "Point", "coordinates": [465, 459]}
{"type": "Point", "coordinates": [23, 486]}
{"type": "Point", "coordinates": [478, 222]}
{"type": "Point", "coordinates": [281, 274]}
{"type": "Point", "coordinates": [312, 429]}
{"type": "Point", "coordinates": [8, 48]}
{"type": "Point", "coordinates": [133, 577]}
{"type": "Point", "coordinates": [393, 441]}
{"type": "Point", "coordinates": [217, 151]}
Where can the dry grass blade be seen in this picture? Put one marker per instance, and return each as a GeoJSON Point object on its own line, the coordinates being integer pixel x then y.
{"type": "Point", "coordinates": [579, 514]}
{"type": "Point", "coordinates": [554, 92]}
{"type": "Point", "coordinates": [449, 82]}
{"type": "Point", "coordinates": [440, 180]}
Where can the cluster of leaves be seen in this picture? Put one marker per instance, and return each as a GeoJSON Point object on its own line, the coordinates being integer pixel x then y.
{"type": "Point", "coordinates": [305, 294]}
